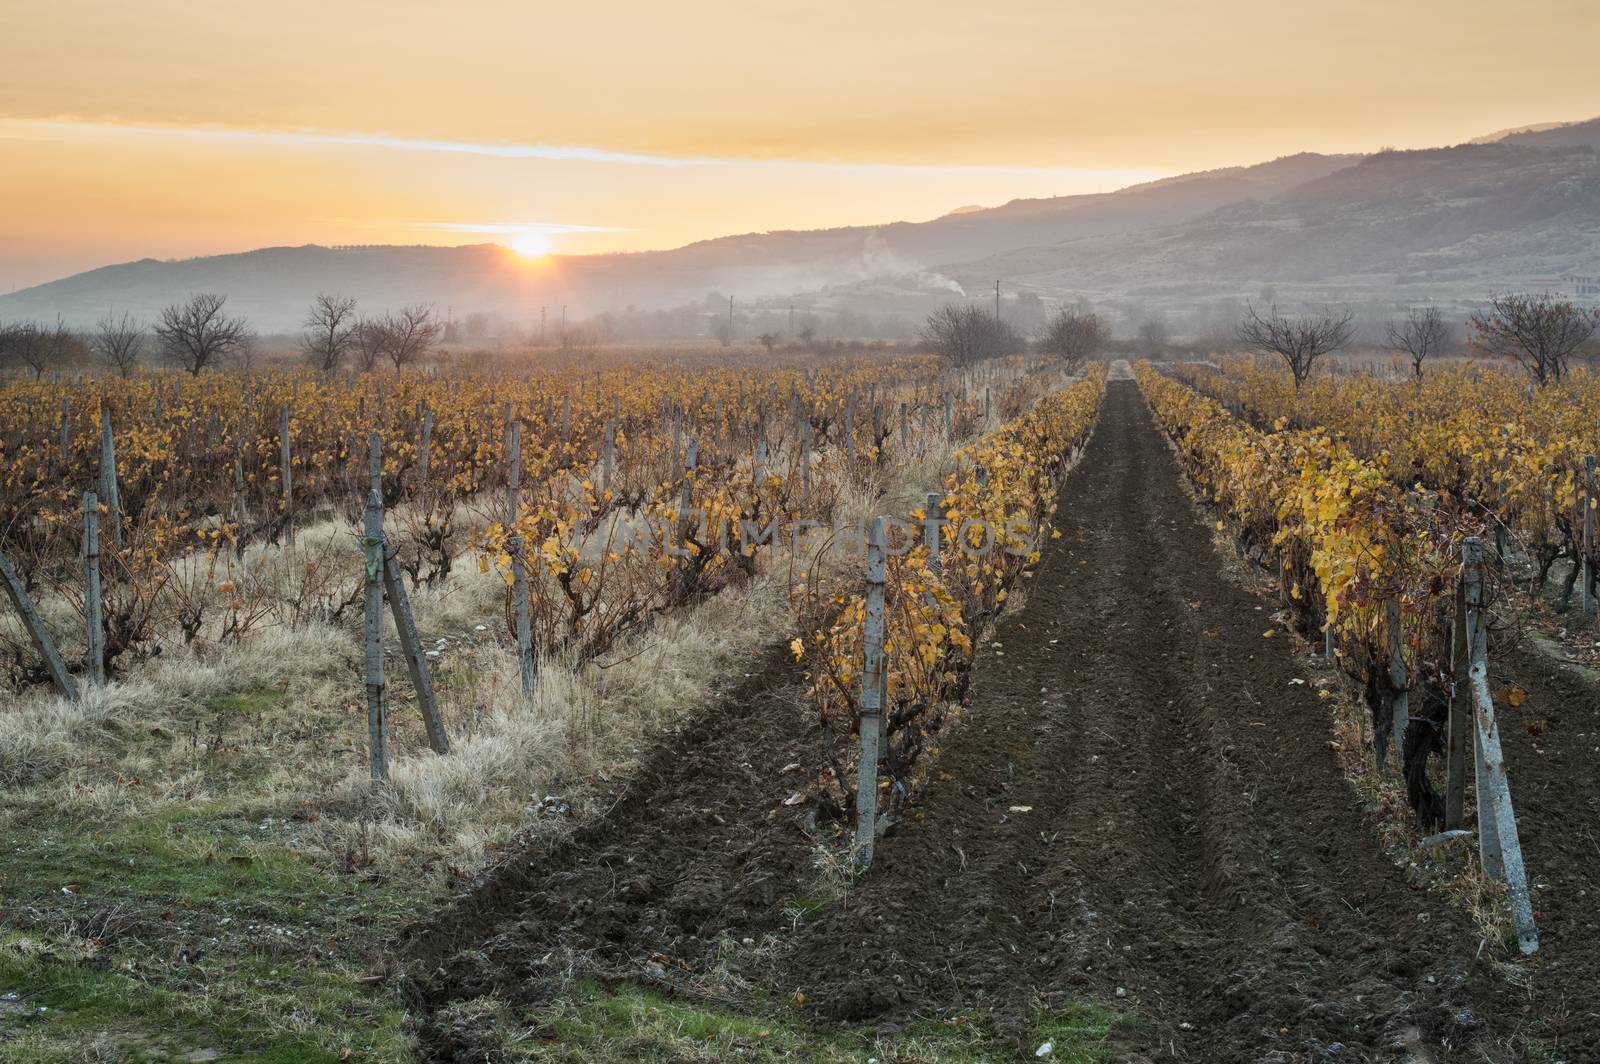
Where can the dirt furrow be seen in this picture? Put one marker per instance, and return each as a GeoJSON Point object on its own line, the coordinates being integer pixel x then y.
{"type": "Point", "coordinates": [1141, 808]}
{"type": "Point", "coordinates": [1189, 838]}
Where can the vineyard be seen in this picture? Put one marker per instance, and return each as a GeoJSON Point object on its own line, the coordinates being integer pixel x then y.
{"type": "Point", "coordinates": [518, 710]}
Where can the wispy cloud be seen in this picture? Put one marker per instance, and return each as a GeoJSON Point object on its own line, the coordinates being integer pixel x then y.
{"type": "Point", "coordinates": [508, 227]}
{"type": "Point", "coordinates": [34, 128]}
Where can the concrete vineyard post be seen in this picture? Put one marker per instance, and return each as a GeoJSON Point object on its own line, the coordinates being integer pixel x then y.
{"type": "Point", "coordinates": [108, 477]}
{"type": "Point", "coordinates": [411, 645]}
{"type": "Point", "coordinates": [566, 417]}
{"type": "Point", "coordinates": [36, 630]}
{"type": "Point", "coordinates": [93, 631]}
{"type": "Point", "coordinates": [1400, 680]}
{"type": "Point", "coordinates": [1500, 847]}
{"type": "Point", "coordinates": [372, 623]}
{"type": "Point", "coordinates": [1591, 500]}
{"type": "Point", "coordinates": [871, 723]}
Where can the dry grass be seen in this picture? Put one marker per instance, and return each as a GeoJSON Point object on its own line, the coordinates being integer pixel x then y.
{"type": "Point", "coordinates": [271, 727]}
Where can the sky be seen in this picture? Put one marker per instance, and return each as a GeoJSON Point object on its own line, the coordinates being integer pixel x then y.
{"type": "Point", "coordinates": [169, 129]}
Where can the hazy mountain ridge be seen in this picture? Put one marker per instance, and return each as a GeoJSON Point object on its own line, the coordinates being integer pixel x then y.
{"type": "Point", "coordinates": [1449, 223]}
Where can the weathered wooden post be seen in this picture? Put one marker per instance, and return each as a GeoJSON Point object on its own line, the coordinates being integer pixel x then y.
{"type": "Point", "coordinates": [680, 535]}
{"type": "Point", "coordinates": [1460, 720]}
{"type": "Point", "coordinates": [519, 576]}
{"type": "Point", "coordinates": [1499, 845]}
{"type": "Point", "coordinates": [932, 523]}
{"type": "Point", "coordinates": [238, 480]}
{"type": "Point", "coordinates": [566, 417]}
{"type": "Point", "coordinates": [93, 629]}
{"type": "Point", "coordinates": [375, 463]}
{"type": "Point", "coordinates": [36, 630]}
{"type": "Point", "coordinates": [871, 722]}
{"type": "Point", "coordinates": [411, 645]}
{"type": "Point", "coordinates": [1591, 500]}
{"type": "Point", "coordinates": [66, 436]}
{"type": "Point", "coordinates": [108, 477]}
{"type": "Point", "coordinates": [1400, 680]}
{"type": "Point", "coordinates": [905, 428]}
{"type": "Point", "coordinates": [424, 445]}
{"type": "Point", "coordinates": [949, 417]}
{"type": "Point", "coordinates": [286, 474]}
{"type": "Point", "coordinates": [608, 465]}
{"type": "Point", "coordinates": [372, 618]}
{"type": "Point", "coordinates": [805, 463]}
{"type": "Point", "coordinates": [850, 434]}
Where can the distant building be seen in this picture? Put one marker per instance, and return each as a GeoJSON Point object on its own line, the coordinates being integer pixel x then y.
{"type": "Point", "coordinates": [1567, 286]}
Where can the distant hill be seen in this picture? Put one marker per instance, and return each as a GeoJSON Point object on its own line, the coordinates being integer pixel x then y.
{"type": "Point", "coordinates": [1449, 223]}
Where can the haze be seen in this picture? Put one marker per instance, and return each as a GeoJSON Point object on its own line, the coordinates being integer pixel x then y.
{"type": "Point", "coordinates": [169, 129]}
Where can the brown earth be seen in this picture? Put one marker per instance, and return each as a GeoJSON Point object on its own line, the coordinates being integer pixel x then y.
{"type": "Point", "coordinates": [1142, 809]}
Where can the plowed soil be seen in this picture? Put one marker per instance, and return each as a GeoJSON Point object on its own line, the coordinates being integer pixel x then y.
{"type": "Point", "coordinates": [1142, 809]}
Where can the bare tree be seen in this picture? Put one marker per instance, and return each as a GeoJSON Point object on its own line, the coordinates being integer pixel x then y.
{"type": "Point", "coordinates": [768, 340]}
{"type": "Point", "coordinates": [405, 337]}
{"type": "Point", "coordinates": [197, 334]}
{"type": "Point", "coordinates": [1540, 333]}
{"type": "Point", "coordinates": [1298, 341]}
{"type": "Point", "coordinates": [330, 331]}
{"type": "Point", "coordinates": [39, 347]}
{"type": "Point", "coordinates": [119, 341]}
{"type": "Point", "coordinates": [1075, 336]}
{"type": "Point", "coordinates": [966, 333]}
{"type": "Point", "coordinates": [367, 343]}
{"type": "Point", "coordinates": [1423, 334]}
{"type": "Point", "coordinates": [1154, 336]}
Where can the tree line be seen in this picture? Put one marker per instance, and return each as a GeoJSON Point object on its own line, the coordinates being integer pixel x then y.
{"type": "Point", "coordinates": [199, 334]}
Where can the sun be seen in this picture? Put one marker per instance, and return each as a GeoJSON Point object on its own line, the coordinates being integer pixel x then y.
{"type": "Point", "coordinates": [531, 244]}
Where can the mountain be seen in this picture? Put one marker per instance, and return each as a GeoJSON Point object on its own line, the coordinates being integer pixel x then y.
{"type": "Point", "coordinates": [1450, 224]}
{"type": "Point", "coordinates": [272, 286]}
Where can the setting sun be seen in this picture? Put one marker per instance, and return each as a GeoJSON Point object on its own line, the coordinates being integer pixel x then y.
{"type": "Point", "coordinates": [531, 244]}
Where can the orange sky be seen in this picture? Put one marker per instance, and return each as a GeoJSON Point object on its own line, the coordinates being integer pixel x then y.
{"type": "Point", "coordinates": [169, 129]}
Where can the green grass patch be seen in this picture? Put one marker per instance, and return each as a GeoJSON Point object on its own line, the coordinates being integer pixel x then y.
{"type": "Point", "coordinates": [189, 933]}
{"type": "Point", "coordinates": [633, 1023]}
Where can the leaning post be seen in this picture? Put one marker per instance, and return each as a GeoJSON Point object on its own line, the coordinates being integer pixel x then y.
{"type": "Point", "coordinates": [1499, 845]}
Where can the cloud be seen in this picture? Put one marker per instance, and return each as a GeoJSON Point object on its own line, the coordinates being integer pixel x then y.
{"type": "Point", "coordinates": [505, 227]}
{"type": "Point", "coordinates": [34, 128]}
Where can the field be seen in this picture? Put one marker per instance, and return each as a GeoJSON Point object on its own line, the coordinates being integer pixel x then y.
{"type": "Point", "coordinates": [1162, 723]}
